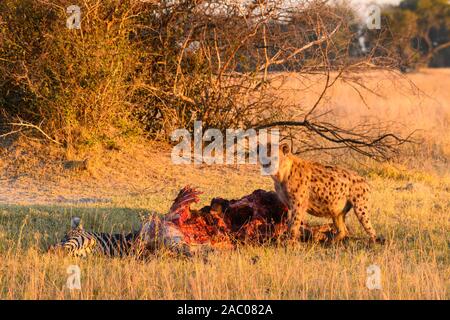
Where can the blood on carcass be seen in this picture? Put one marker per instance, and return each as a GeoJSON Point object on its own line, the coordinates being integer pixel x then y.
{"type": "Point", "coordinates": [257, 217]}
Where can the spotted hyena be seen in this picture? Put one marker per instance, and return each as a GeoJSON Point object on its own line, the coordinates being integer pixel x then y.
{"type": "Point", "coordinates": [323, 191]}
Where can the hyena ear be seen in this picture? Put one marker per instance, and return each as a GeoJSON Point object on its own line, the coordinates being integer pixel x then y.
{"type": "Point", "coordinates": [285, 148]}
{"type": "Point", "coordinates": [75, 223]}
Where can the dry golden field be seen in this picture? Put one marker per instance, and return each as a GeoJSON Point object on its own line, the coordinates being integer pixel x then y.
{"type": "Point", "coordinates": [411, 208]}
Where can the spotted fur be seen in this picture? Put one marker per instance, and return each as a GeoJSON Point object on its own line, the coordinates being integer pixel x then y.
{"type": "Point", "coordinates": [322, 191]}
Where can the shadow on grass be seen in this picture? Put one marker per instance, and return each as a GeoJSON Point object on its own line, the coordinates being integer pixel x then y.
{"type": "Point", "coordinates": [38, 226]}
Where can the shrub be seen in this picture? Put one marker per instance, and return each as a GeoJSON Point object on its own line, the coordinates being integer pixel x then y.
{"type": "Point", "coordinates": [74, 84]}
{"type": "Point", "coordinates": [162, 65]}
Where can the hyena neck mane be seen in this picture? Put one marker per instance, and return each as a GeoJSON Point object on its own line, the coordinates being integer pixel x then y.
{"type": "Point", "coordinates": [285, 165]}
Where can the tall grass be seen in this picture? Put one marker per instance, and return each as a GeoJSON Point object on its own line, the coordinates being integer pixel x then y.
{"type": "Point", "coordinates": [415, 262]}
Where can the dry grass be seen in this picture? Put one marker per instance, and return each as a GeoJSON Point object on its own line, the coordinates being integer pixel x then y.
{"type": "Point", "coordinates": [414, 262]}
{"type": "Point", "coordinates": [37, 206]}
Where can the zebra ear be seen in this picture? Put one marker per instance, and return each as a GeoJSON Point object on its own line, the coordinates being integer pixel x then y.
{"type": "Point", "coordinates": [75, 223]}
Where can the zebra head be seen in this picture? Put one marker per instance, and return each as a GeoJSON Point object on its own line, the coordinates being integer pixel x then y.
{"type": "Point", "coordinates": [76, 241]}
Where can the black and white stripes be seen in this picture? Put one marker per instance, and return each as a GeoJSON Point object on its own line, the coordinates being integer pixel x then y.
{"type": "Point", "coordinates": [81, 243]}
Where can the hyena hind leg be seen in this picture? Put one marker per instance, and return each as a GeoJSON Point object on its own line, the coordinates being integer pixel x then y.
{"type": "Point", "coordinates": [362, 213]}
{"type": "Point", "coordinates": [339, 223]}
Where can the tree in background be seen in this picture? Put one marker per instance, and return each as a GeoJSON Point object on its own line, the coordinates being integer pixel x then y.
{"type": "Point", "coordinates": [420, 32]}
{"type": "Point", "coordinates": [150, 67]}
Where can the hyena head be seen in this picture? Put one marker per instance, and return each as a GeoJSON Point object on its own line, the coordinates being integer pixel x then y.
{"type": "Point", "coordinates": [272, 156]}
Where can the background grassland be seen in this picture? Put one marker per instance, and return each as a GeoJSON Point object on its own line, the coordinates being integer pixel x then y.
{"type": "Point", "coordinates": [411, 206]}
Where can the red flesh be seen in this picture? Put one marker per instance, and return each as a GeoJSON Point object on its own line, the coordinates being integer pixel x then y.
{"type": "Point", "coordinates": [257, 217]}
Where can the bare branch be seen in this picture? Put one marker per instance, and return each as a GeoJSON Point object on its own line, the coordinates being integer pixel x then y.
{"type": "Point", "coordinates": [300, 50]}
{"type": "Point", "coordinates": [10, 133]}
{"type": "Point", "coordinates": [378, 148]}
{"type": "Point", "coordinates": [25, 124]}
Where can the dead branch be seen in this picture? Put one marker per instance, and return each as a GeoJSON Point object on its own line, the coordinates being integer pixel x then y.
{"type": "Point", "coordinates": [10, 133]}
{"type": "Point", "coordinates": [379, 147]}
{"type": "Point", "coordinates": [299, 50]}
{"type": "Point", "coordinates": [24, 124]}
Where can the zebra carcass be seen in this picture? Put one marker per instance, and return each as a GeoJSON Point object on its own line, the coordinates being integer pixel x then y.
{"type": "Point", "coordinates": [255, 218]}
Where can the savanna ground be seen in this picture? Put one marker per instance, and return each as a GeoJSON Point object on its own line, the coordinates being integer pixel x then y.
{"type": "Point", "coordinates": [411, 206]}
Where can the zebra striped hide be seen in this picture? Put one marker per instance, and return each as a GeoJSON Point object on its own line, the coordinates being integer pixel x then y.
{"type": "Point", "coordinates": [79, 242]}
{"type": "Point", "coordinates": [155, 233]}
